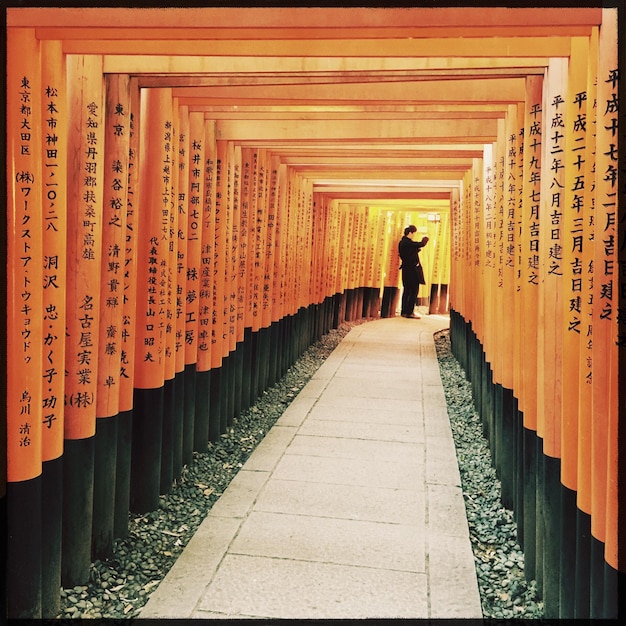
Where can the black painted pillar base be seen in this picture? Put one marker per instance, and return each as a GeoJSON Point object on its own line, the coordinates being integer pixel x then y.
{"type": "Point", "coordinates": [530, 504]}
{"type": "Point", "coordinates": [189, 413]}
{"type": "Point", "coordinates": [614, 589]}
{"type": "Point", "coordinates": [167, 436]}
{"type": "Point", "coordinates": [105, 465]}
{"type": "Point", "coordinates": [232, 376]}
{"type": "Point", "coordinates": [567, 594]}
{"type": "Point", "coordinates": [52, 533]}
{"type": "Point", "coordinates": [246, 374]}
{"type": "Point", "coordinates": [24, 514]}
{"type": "Point", "coordinates": [264, 337]}
{"type": "Point", "coordinates": [78, 478]}
{"type": "Point", "coordinates": [203, 397]}
{"type": "Point", "coordinates": [122, 473]}
{"type": "Point", "coordinates": [3, 555]}
{"type": "Point", "coordinates": [255, 364]}
{"type": "Point", "coordinates": [520, 476]}
{"type": "Point", "coordinates": [596, 580]}
{"type": "Point", "coordinates": [145, 470]}
{"type": "Point", "coordinates": [215, 404]}
{"type": "Point", "coordinates": [583, 564]}
{"type": "Point", "coordinates": [224, 392]}
{"type": "Point", "coordinates": [507, 460]}
{"type": "Point", "coordinates": [552, 523]}
{"type": "Point", "coordinates": [237, 407]}
{"type": "Point", "coordinates": [178, 425]}
{"type": "Point", "coordinates": [274, 352]}
{"type": "Point", "coordinates": [539, 513]}
{"type": "Point", "coordinates": [495, 428]}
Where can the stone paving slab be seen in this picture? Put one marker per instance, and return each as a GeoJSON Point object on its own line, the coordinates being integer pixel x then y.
{"type": "Point", "coordinates": [323, 591]}
{"type": "Point", "coordinates": [376, 504]}
{"type": "Point", "coordinates": [350, 507]}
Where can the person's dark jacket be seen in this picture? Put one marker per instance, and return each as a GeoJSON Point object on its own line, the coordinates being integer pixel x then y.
{"type": "Point", "coordinates": [409, 255]}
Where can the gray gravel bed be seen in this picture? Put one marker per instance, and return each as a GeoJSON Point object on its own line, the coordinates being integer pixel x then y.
{"type": "Point", "coordinates": [499, 560]}
{"type": "Point", "coordinates": [120, 586]}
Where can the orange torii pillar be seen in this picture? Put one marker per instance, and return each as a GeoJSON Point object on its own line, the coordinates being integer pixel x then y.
{"type": "Point", "coordinates": [391, 291]}
{"type": "Point", "coordinates": [205, 375]}
{"type": "Point", "coordinates": [24, 332]}
{"type": "Point", "coordinates": [116, 142]}
{"type": "Point", "coordinates": [54, 176]}
{"type": "Point", "coordinates": [256, 195]}
{"type": "Point", "coordinates": [573, 294]}
{"type": "Point", "coordinates": [264, 243]}
{"type": "Point", "coordinates": [550, 337]}
{"type": "Point", "coordinates": [243, 275]}
{"type": "Point", "coordinates": [270, 321]}
{"type": "Point", "coordinates": [604, 435]}
{"type": "Point", "coordinates": [279, 287]}
{"type": "Point", "coordinates": [171, 231]}
{"type": "Point", "coordinates": [175, 395]}
{"type": "Point", "coordinates": [128, 333]}
{"type": "Point", "coordinates": [237, 294]}
{"type": "Point", "coordinates": [230, 286]}
{"type": "Point", "coordinates": [216, 255]}
{"type": "Point", "coordinates": [585, 375]}
{"type": "Point", "coordinates": [332, 263]}
{"type": "Point", "coordinates": [194, 426]}
{"type": "Point", "coordinates": [84, 244]}
{"type": "Point", "coordinates": [155, 161]}
{"type": "Point", "coordinates": [290, 265]}
{"type": "Point", "coordinates": [529, 283]}
{"type": "Point", "coordinates": [189, 200]}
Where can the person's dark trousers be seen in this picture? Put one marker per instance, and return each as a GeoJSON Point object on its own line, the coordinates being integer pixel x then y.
{"type": "Point", "coordinates": [410, 283]}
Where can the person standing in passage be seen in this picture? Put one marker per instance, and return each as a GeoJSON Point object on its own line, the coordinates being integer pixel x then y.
{"type": "Point", "coordinates": [412, 272]}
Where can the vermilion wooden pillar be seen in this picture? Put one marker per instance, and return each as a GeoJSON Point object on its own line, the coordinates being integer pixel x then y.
{"type": "Point", "coordinates": [115, 184]}
{"type": "Point", "coordinates": [218, 285]}
{"type": "Point", "coordinates": [604, 437]}
{"type": "Point", "coordinates": [24, 326]}
{"type": "Point", "coordinates": [550, 348]}
{"type": "Point", "coordinates": [54, 157]}
{"type": "Point", "coordinates": [196, 403]}
{"type": "Point", "coordinates": [230, 284]}
{"type": "Point", "coordinates": [152, 264]}
{"type": "Point", "coordinates": [529, 269]}
{"type": "Point", "coordinates": [573, 222]}
{"type": "Point", "coordinates": [84, 255]}
{"type": "Point", "coordinates": [207, 278]}
{"type": "Point", "coordinates": [129, 330]}
{"type": "Point", "coordinates": [170, 397]}
{"type": "Point", "coordinates": [243, 269]}
{"type": "Point", "coordinates": [236, 295]}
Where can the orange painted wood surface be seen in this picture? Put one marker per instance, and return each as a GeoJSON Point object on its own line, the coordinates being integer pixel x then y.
{"type": "Point", "coordinates": [133, 193]}
{"type": "Point", "coordinates": [153, 223]}
{"type": "Point", "coordinates": [54, 193]}
{"type": "Point", "coordinates": [115, 201]}
{"type": "Point", "coordinates": [25, 256]}
{"type": "Point", "coordinates": [84, 242]}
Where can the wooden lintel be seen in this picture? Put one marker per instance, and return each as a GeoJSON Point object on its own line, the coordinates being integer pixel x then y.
{"type": "Point", "coordinates": [383, 197]}
{"type": "Point", "coordinates": [444, 131]}
{"type": "Point", "coordinates": [295, 18]}
{"type": "Point", "coordinates": [341, 48]}
{"type": "Point", "coordinates": [216, 65]}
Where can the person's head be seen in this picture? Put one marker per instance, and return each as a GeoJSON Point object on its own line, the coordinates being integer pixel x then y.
{"type": "Point", "coordinates": [410, 231]}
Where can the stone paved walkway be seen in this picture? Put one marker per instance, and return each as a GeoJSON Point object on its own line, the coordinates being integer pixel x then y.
{"type": "Point", "coordinates": [350, 507]}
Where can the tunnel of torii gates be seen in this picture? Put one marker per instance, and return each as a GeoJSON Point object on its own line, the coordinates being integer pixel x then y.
{"type": "Point", "coordinates": [194, 196]}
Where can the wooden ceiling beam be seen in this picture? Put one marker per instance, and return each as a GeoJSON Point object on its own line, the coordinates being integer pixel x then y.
{"type": "Point", "coordinates": [445, 131]}
{"type": "Point", "coordinates": [493, 90]}
{"type": "Point", "coordinates": [422, 19]}
{"type": "Point", "coordinates": [216, 65]}
{"type": "Point", "coordinates": [427, 47]}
